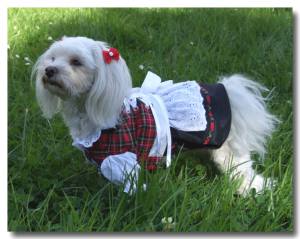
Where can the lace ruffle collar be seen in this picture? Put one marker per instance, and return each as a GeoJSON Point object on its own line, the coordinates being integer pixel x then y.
{"type": "Point", "coordinates": [88, 141]}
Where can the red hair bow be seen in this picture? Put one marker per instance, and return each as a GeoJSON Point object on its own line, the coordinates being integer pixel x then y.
{"type": "Point", "coordinates": [111, 54]}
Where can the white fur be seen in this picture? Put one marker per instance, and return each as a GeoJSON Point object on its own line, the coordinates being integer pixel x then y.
{"type": "Point", "coordinates": [50, 104]}
{"type": "Point", "coordinates": [93, 93]}
{"type": "Point", "coordinates": [251, 126]}
{"type": "Point", "coordinates": [92, 96]}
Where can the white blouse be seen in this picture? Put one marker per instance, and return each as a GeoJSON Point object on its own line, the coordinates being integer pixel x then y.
{"type": "Point", "coordinates": [178, 105]}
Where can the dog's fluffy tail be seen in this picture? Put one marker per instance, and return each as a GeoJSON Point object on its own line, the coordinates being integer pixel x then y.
{"type": "Point", "coordinates": [252, 124]}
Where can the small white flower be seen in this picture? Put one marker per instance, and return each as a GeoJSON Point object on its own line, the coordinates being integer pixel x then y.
{"type": "Point", "coordinates": [145, 187]}
{"type": "Point", "coordinates": [37, 27]}
{"type": "Point", "coordinates": [26, 58]}
{"type": "Point", "coordinates": [192, 43]}
{"type": "Point", "coordinates": [141, 67]}
{"type": "Point", "coordinates": [27, 64]}
{"type": "Point", "coordinates": [17, 56]}
{"type": "Point", "coordinates": [50, 38]}
{"type": "Point", "coordinates": [15, 27]}
{"type": "Point", "coordinates": [168, 223]}
{"type": "Point", "coordinates": [50, 23]}
{"type": "Point", "coordinates": [164, 220]}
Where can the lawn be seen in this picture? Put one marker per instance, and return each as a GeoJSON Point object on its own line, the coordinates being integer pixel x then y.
{"type": "Point", "coordinates": [52, 188]}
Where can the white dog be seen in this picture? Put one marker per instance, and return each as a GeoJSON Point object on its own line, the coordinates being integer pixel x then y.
{"type": "Point", "coordinates": [121, 128]}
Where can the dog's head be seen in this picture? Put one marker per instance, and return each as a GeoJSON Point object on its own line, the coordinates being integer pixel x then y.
{"type": "Point", "coordinates": [76, 67]}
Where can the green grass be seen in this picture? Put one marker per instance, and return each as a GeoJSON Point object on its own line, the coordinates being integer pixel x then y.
{"type": "Point", "coordinates": [51, 188]}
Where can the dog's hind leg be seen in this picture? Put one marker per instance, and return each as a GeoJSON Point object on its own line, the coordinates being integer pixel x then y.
{"type": "Point", "coordinates": [251, 125]}
{"type": "Point", "coordinates": [240, 167]}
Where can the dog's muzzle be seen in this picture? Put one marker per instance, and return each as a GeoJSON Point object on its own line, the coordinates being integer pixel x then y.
{"type": "Point", "coordinates": [50, 71]}
{"type": "Point", "coordinates": [50, 77]}
{"type": "Point", "coordinates": [52, 82]}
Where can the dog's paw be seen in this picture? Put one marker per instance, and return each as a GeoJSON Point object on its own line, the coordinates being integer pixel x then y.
{"type": "Point", "coordinates": [258, 182]}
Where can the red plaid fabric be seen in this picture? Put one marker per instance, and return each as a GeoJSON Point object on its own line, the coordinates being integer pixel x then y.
{"type": "Point", "coordinates": [136, 133]}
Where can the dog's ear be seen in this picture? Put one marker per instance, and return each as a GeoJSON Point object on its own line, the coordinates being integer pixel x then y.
{"type": "Point", "coordinates": [112, 82]}
{"type": "Point", "coordinates": [49, 103]}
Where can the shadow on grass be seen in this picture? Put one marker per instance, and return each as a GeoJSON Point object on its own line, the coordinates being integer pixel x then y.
{"type": "Point", "coordinates": [179, 44]}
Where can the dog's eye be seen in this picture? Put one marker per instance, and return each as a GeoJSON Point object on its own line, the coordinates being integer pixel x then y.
{"type": "Point", "coordinates": [52, 58]}
{"type": "Point", "coordinates": [75, 62]}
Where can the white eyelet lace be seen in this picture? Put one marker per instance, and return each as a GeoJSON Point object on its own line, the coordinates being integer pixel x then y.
{"type": "Point", "coordinates": [184, 104]}
{"type": "Point", "coordinates": [88, 141]}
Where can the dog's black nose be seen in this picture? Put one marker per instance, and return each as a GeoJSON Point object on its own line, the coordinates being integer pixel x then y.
{"type": "Point", "coordinates": [51, 71]}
